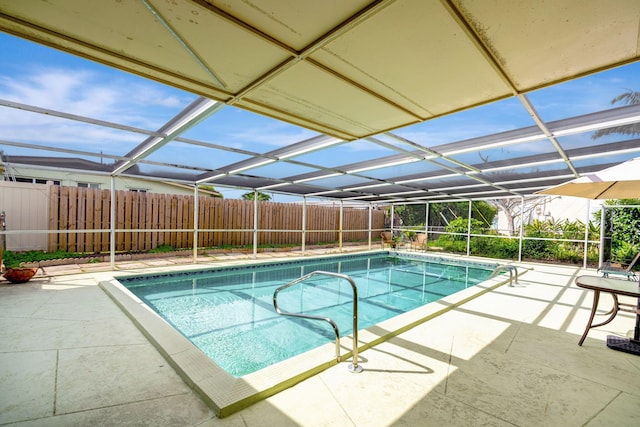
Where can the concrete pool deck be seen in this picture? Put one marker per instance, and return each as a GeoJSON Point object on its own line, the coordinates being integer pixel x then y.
{"type": "Point", "coordinates": [70, 356]}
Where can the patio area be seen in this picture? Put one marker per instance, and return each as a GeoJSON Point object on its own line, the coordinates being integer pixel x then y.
{"type": "Point", "coordinates": [374, 106]}
{"type": "Point", "coordinates": [510, 357]}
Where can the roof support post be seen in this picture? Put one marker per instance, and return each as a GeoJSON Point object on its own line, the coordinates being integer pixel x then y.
{"type": "Point", "coordinates": [603, 226]}
{"type": "Point", "coordinates": [340, 225]}
{"type": "Point", "coordinates": [196, 214]}
{"type": "Point", "coordinates": [392, 215]}
{"type": "Point", "coordinates": [112, 225]}
{"type": "Point", "coordinates": [426, 225]}
{"type": "Point", "coordinates": [255, 224]}
{"type": "Point", "coordinates": [370, 223]}
{"type": "Point", "coordinates": [304, 224]}
{"type": "Point", "coordinates": [469, 230]}
{"type": "Point", "coordinates": [521, 233]}
{"type": "Point", "coordinates": [586, 234]}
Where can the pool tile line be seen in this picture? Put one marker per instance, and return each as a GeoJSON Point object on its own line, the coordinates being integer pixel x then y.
{"type": "Point", "coordinates": [255, 264]}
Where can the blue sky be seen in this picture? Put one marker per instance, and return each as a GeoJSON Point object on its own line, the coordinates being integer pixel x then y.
{"type": "Point", "coordinates": [37, 75]}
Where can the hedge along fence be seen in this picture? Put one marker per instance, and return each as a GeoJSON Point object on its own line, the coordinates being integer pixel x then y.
{"type": "Point", "coordinates": [222, 221]}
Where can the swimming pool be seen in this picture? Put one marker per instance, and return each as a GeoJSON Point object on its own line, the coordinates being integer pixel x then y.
{"type": "Point", "coordinates": [228, 313]}
{"type": "Point", "coordinates": [225, 393]}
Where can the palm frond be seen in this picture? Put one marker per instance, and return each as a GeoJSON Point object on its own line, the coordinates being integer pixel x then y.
{"type": "Point", "coordinates": [632, 129]}
{"type": "Point", "coordinates": [628, 98]}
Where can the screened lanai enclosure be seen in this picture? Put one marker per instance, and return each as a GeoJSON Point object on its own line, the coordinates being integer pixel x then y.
{"type": "Point", "coordinates": [443, 118]}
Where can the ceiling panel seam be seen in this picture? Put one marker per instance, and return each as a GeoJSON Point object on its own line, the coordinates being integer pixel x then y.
{"type": "Point", "coordinates": [354, 20]}
{"type": "Point", "coordinates": [284, 116]}
{"type": "Point", "coordinates": [241, 24]}
{"type": "Point", "coordinates": [217, 80]}
{"type": "Point", "coordinates": [481, 46]}
{"type": "Point", "coordinates": [303, 55]}
{"type": "Point", "coordinates": [365, 89]}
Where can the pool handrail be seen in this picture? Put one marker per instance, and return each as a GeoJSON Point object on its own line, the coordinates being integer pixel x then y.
{"type": "Point", "coordinates": [353, 367]}
{"type": "Point", "coordinates": [511, 269]}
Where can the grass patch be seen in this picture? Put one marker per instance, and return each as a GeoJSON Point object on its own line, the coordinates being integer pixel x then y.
{"type": "Point", "coordinates": [14, 259]}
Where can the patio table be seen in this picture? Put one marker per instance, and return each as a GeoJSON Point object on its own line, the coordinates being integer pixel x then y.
{"type": "Point", "coordinates": [614, 287]}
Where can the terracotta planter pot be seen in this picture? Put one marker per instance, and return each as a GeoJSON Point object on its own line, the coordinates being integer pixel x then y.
{"type": "Point", "coordinates": [19, 275]}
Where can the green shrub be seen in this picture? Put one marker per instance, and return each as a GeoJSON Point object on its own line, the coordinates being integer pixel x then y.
{"type": "Point", "coordinates": [624, 252]}
{"type": "Point", "coordinates": [568, 253]}
{"type": "Point", "coordinates": [538, 249]}
{"type": "Point", "coordinates": [448, 244]}
{"type": "Point", "coordinates": [492, 247]}
{"type": "Point", "coordinates": [461, 226]}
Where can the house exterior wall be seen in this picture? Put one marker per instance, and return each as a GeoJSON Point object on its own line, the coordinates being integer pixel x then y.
{"type": "Point", "coordinates": [26, 208]}
{"type": "Point", "coordinates": [556, 208]}
{"type": "Point", "coordinates": [71, 179]}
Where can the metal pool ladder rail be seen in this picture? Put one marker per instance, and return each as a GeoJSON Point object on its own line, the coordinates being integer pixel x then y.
{"type": "Point", "coordinates": [353, 367]}
{"type": "Point", "coordinates": [511, 269]}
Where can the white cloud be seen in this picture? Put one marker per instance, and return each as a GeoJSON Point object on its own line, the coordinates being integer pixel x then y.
{"type": "Point", "coordinates": [85, 92]}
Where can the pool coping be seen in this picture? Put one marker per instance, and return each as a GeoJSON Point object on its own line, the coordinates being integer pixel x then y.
{"type": "Point", "coordinates": [226, 394]}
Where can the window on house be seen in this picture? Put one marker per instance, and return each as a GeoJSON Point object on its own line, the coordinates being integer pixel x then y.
{"type": "Point", "coordinates": [44, 181]}
{"type": "Point", "coordinates": [139, 190]}
{"type": "Point", "coordinates": [35, 180]}
{"type": "Point", "coordinates": [88, 185]}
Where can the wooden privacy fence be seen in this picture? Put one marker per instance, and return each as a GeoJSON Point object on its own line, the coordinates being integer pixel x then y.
{"type": "Point", "coordinates": [156, 219]}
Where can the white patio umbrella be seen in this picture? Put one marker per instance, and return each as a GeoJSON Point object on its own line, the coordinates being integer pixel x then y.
{"type": "Point", "coordinates": [617, 182]}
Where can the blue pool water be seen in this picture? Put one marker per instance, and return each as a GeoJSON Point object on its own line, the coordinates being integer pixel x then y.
{"type": "Point", "coordinates": [228, 312]}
